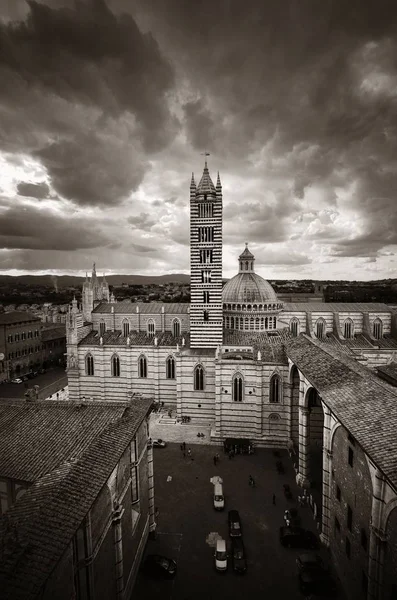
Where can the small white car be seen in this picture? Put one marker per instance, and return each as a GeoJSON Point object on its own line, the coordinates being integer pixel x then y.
{"type": "Point", "coordinates": [157, 443]}
{"type": "Point", "coordinates": [17, 380]}
{"type": "Point", "coordinates": [220, 555]}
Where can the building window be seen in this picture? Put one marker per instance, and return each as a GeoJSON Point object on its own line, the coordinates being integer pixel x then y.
{"type": "Point", "coordinates": [9, 338]}
{"type": "Point", "coordinates": [142, 367]}
{"type": "Point", "coordinates": [350, 457]}
{"type": "Point", "coordinates": [150, 327]}
{"type": "Point", "coordinates": [348, 329]}
{"type": "Point", "coordinates": [30, 335]}
{"type": "Point", "coordinates": [351, 439]}
{"type": "Point", "coordinates": [205, 234]}
{"type": "Point", "coordinates": [237, 388]}
{"type": "Point", "coordinates": [206, 256]}
{"type": "Point", "coordinates": [199, 378]}
{"type": "Point", "coordinates": [348, 548]}
{"type": "Point", "coordinates": [206, 297]}
{"type": "Point", "coordinates": [336, 525]}
{"type": "Point", "coordinates": [102, 328]}
{"type": "Point", "coordinates": [274, 389]}
{"type": "Point", "coordinates": [320, 329]}
{"type": "Point", "coordinates": [313, 398]}
{"type": "Point", "coordinates": [126, 328]}
{"type": "Point", "coordinates": [205, 210]}
{"type": "Point", "coordinates": [364, 539]}
{"type": "Point", "coordinates": [89, 364]}
{"type": "Point", "coordinates": [349, 518]}
{"type": "Point", "coordinates": [134, 484]}
{"type": "Point", "coordinates": [115, 366]}
{"type": "Point", "coordinates": [206, 315]}
{"type": "Point", "coordinates": [338, 494]}
{"type": "Point", "coordinates": [17, 337]}
{"type": "Point", "coordinates": [293, 327]}
{"type": "Point", "coordinates": [170, 367]}
{"type": "Point", "coordinates": [206, 276]}
{"type": "Point", "coordinates": [378, 329]}
{"type": "Point", "coordinates": [176, 327]}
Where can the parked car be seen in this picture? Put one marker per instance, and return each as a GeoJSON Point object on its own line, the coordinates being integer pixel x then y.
{"type": "Point", "coordinates": [316, 581]}
{"type": "Point", "coordinates": [157, 565]}
{"type": "Point", "coordinates": [17, 380]}
{"type": "Point", "coordinates": [219, 498]}
{"type": "Point", "coordinates": [234, 523]}
{"type": "Point", "coordinates": [296, 537]}
{"type": "Point", "coordinates": [24, 377]}
{"type": "Point", "coordinates": [220, 555]}
{"type": "Point", "coordinates": [291, 518]}
{"type": "Point", "coordinates": [158, 443]}
{"type": "Point", "coordinates": [309, 560]}
{"type": "Point", "coordinates": [238, 555]}
{"type": "Point", "coordinates": [42, 371]}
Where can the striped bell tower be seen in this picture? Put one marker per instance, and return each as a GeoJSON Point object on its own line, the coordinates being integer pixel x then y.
{"type": "Point", "coordinates": [206, 325]}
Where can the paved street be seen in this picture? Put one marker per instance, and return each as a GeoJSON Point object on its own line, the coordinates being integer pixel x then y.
{"type": "Point", "coordinates": [49, 383]}
{"type": "Point", "coordinates": [188, 523]}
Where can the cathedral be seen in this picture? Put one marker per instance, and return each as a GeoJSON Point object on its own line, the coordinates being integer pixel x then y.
{"type": "Point", "coordinates": [319, 379]}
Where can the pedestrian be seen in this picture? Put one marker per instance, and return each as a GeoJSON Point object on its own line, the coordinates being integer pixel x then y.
{"type": "Point", "coordinates": [162, 405]}
{"type": "Point", "coordinates": [274, 499]}
{"type": "Point", "coordinates": [181, 447]}
{"type": "Point", "coordinates": [184, 446]}
{"type": "Point", "coordinates": [189, 452]}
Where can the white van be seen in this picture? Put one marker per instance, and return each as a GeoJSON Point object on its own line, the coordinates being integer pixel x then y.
{"type": "Point", "coordinates": [220, 555]}
{"type": "Point", "coordinates": [219, 499]}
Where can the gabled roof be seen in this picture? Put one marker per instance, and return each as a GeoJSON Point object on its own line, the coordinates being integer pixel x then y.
{"type": "Point", "coordinates": [36, 437]}
{"type": "Point", "coordinates": [206, 185]}
{"type": "Point", "coordinates": [363, 403]}
{"type": "Point", "coordinates": [126, 307]}
{"type": "Point", "coordinates": [47, 516]}
{"type": "Point", "coordinates": [337, 307]}
{"type": "Point", "coordinates": [137, 338]}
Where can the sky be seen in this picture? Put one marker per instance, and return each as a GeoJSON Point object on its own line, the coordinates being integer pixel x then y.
{"type": "Point", "coordinates": [106, 107]}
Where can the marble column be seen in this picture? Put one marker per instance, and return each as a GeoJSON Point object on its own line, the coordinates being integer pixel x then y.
{"type": "Point", "coordinates": [303, 473]}
{"type": "Point", "coordinates": [327, 479]}
{"type": "Point", "coordinates": [118, 548]}
{"type": "Point", "coordinates": [377, 540]}
{"type": "Point", "coordinates": [152, 515]}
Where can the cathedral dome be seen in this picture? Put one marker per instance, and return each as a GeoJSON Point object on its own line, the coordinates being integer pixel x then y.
{"type": "Point", "coordinates": [248, 287]}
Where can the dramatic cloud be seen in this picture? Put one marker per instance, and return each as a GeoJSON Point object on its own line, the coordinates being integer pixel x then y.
{"type": "Point", "coordinates": [34, 190]}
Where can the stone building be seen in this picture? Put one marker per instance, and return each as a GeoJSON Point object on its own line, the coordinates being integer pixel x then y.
{"type": "Point", "coordinates": [77, 497]}
{"type": "Point", "coordinates": [303, 376]}
{"type": "Point", "coordinates": [20, 343]}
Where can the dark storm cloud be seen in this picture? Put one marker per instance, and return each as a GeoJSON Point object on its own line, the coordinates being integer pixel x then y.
{"type": "Point", "coordinates": [199, 125]}
{"type": "Point", "coordinates": [31, 228]}
{"type": "Point", "coordinates": [34, 190]}
{"type": "Point", "coordinates": [80, 75]}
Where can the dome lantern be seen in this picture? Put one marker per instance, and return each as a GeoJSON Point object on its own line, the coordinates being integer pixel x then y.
{"type": "Point", "coordinates": [246, 261]}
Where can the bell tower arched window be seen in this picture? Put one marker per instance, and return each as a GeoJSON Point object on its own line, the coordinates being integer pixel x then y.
{"type": "Point", "coordinates": [274, 392]}
{"type": "Point", "coordinates": [126, 328]}
{"type": "Point", "coordinates": [102, 328]}
{"type": "Point", "coordinates": [115, 366]}
{"type": "Point", "coordinates": [320, 329]}
{"type": "Point", "coordinates": [237, 388]}
{"type": "Point", "coordinates": [170, 367]}
{"type": "Point", "coordinates": [348, 329]}
{"type": "Point", "coordinates": [142, 366]}
{"type": "Point", "coordinates": [199, 378]}
{"type": "Point", "coordinates": [378, 329]}
{"type": "Point", "coordinates": [294, 327]}
{"type": "Point", "coordinates": [89, 364]}
{"type": "Point", "coordinates": [151, 327]}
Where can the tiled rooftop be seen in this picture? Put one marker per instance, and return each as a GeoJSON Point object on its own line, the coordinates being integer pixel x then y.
{"type": "Point", "coordinates": [53, 333]}
{"type": "Point", "coordinates": [388, 372]}
{"type": "Point", "coordinates": [337, 307]}
{"type": "Point", "coordinates": [36, 438]}
{"type": "Point", "coordinates": [366, 405]}
{"type": "Point", "coordinates": [126, 307]}
{"type": "Point", "coordinates": [48, 515]}
{"type": "Point", "coordinates": [17, 316]}
{"type": "Point", "coordinates": [137, 338]}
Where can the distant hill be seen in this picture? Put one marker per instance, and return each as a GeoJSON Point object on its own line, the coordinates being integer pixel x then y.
{"type": "Point", "coordinates": [63, 281]}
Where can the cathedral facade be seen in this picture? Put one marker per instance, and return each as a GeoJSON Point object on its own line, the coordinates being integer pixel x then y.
{"type": "Point", "coordinates": [311, 377]}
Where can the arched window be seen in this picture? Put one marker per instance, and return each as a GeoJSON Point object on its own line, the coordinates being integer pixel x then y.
{"type": "Point", "coordinates": [176, 328]}
{"type": "Point", "coordinates": [313, 398]}
{"type": "Point", "coordinates": [142, 366]}
{"type": "Point", "coordinates": [89, 364]}
{"type": "Point", "coordinates": [237, 388]}
{"type": "Point", "coordinates": [150, 327]}
{"type": "Point", "coordinates": [126, 328]}
{"type": "Point", "coordinates": [199, 378]}
{"type": "Point", "coordinates": [170, 367]}
{"type": "Point", "coordinates": [246, 265]}
{"type": "Point", "coordinates": [266, 322]}
{"type": "Point", "coordinates": [294, 327]}
{"type": "Point", "coordinates": [206, 315]}
{"type": "Point", "coordinates": [115, 366]}
{"type": "Point", "coordinates": [246, 323]}
{"type": "Point", "coordinates": [320, 329]}
{"type": "Point", "coordinates": [378, 329]}
{"type": "Point", "coordinates": [348, 329]}
{"type": "Point", "coordinates": [274, 391]}
{"type": "Point", "coordinates": [102, 327]}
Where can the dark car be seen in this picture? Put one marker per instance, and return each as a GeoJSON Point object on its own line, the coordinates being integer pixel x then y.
{"type": "Point", "coordinates": [316, 581]}
{"type": "Point", "coordinates": [291, 518]}
{"type": "Point", "coordinates": [156, 565]}
{"type": "Point", "coordinates": [309, 560]}
{"type": "Point", "coordinates": [296, 537]}
{"type": "Point", "coordinates": [234, 523]}
{"type": "Point", "coordinates": [238, 555]}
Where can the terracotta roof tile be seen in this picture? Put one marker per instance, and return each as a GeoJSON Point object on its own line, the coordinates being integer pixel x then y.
{"type": "Point", "coordinates": [137, 338]}
{"type": "Point", "coordinates": [337, 307]}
